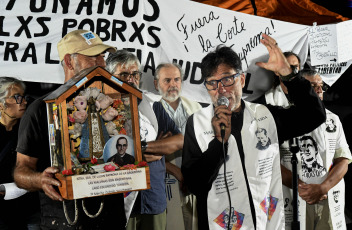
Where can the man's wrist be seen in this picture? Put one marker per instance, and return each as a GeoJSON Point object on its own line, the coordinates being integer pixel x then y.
{"type": "Point", "coordinates": [290, 76]}
{"type": "Point", "coordinates": [144, 146]}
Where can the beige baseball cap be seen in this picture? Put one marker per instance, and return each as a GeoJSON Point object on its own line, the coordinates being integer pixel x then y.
{"type": "Point", "coordinates": [83, 42]}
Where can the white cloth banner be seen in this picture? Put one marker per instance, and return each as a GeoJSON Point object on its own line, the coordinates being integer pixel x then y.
{"type": "Point", "coordinates": [155, 30]}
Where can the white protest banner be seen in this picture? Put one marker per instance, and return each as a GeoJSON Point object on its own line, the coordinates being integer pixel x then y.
{"type": "Point", "coordinates": [328, 43]}
{"type": "Point", "coordinates": [330, 73]}
{"type": "Point", "coordinates": [155, 30]}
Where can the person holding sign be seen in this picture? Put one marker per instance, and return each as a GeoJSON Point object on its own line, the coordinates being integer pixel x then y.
{"type": "Point", "coordinates": [250, 187]}
{"type": "Point", "coordinates": [78, 50]}
{"type": "Point", "coordinates": [22, 212]}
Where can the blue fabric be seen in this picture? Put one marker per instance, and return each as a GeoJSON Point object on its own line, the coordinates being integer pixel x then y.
{"type": "Point", "coordinates": [84, 146]}
{"type": "Point", "coordinates": [153, 201]}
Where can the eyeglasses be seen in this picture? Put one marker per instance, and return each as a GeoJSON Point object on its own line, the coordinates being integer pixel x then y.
{"type": "Point", "coordinates": [317, 86]}
{"type": "Point", "coordinates": [19, 98]}
{"type": "Point", "coordinates": [119, 145]}
{"type": "Point", "coordinates": [136, 75]}
{"type": "Point", "coordinates": [225, 81]}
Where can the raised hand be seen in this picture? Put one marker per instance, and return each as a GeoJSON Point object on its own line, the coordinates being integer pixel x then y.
{"type": "Point", "coordinates": [277, 61]}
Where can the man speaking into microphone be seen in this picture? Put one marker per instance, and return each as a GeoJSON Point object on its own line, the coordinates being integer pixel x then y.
{"type": "Point", "coordinates": [250, 196]}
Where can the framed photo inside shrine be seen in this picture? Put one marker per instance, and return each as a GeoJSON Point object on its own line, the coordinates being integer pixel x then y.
{"type": "Point", "coordinates": [94, 136]}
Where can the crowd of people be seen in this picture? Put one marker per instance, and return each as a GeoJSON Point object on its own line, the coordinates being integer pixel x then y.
{"type": "Point", "coordinates": [231, 161]}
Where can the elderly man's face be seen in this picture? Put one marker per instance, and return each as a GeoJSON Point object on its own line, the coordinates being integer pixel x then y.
{"type": "Point", "coordinates": [169, 83]}
{"type": "Point", "coordinates": [317, 84]}
{"type": "Point", "coordinates": [308, 152]}
{"type": "Point", "coordinates": [262, 138]}
{"type": "Point", "coordinates": [83, 62]}
{"type": "Point", "coordinates": [128, 70]}
{"type": "Point", "coordinates": [122, 146]}
{"type": "Point", "coordinates": [233, 92]}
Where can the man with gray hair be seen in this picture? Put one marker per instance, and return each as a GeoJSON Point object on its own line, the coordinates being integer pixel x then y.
{"type": "Point", "coordinates": [168, 81]}
{"type": "Point", "coordinates": [160, 136]}
{"type": "Point", "coordinates": [125, 65]}
{"type": "Point", "coordinates": [324, 157]}
{"type": "Point", "coordinates": [78, 50]}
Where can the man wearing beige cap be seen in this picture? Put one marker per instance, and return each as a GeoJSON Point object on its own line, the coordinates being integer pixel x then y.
{"type": "Point", "coordinates": [81, 49]}
{"type": "Point", "coordinates": [78, 50]}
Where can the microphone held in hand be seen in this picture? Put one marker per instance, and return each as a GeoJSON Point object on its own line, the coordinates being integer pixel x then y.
{"type": "Point", "coordinates": [223, 101]}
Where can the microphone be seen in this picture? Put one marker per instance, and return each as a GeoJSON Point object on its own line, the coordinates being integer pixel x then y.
{"type": "Point", "coordinates": [223, 101]}
{"type": "Point", "coordinates": [294, 145]}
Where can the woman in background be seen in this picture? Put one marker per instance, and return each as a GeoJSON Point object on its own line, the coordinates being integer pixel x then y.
{"type": "Point", "coordinates": [22, 212]}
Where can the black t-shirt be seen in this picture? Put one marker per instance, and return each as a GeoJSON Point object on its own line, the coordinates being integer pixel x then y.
{"type": "Point", "coordinates": [33, 141]}
{"type": "Point", "coordinates": [15, 212]}
{"type": "Point", "coordinates": [33, 138]}
{"type": "Point", "coordinates": [8, 142]}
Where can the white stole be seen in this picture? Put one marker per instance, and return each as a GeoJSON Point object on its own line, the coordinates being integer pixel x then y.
{"type": "Point", "coordinates": [262, 167]}
{"type": "Point", "coordinates": [326, 142]}
{"type": "Point", "coordinates": [148, 131]}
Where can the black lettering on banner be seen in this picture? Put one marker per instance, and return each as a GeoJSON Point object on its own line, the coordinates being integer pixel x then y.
{"type": "Point", "coordinates": [184, 27]}
{"type": "Point", "coordinates": [10, 4]}
{"type": "Point", "coordinates": [156, 38]}
{"type": "Point", "coordinates": [64, 3]}
{"type": "Point", "coordinates": [245, 88]}
{"type": "Point", "coordinates": [118, 30]}
{"type": "Point", "coordinates": [137, 32]}
{"type": "Point", "coordinates": [68, 23]}
{"type": "Point", "coordinates": [156, 11]}
{"type": "Point", "coordinates": [111, 4]}
{"type": "Point", "coordinates": [205, 46]}
{"type": "Point", "coordinates": [254, 42]}
{"type": "Point", "coordinates": [24, 26]}
{"type": "Point", "coordinates": [125, 8]}
{"type": "Point", "coordinates": [230, 33]}
{"type": "Point", "coordinates": [139, 55]}
{"type": "Point", "coordinates": [10, 48]}
{"type": "Point", "coordinates": [201, 22]}
{"type": "Point", "coordinates": [34, 8]}
{"type": "Point", "coordinates": [30, 52]}
{"type": "Point", "coordinates": [103, 26]}
{"type": "Point", "coordinates": [150, 63]}
{"type": "Point", "coordinates": [41, 21]}
{"type": "Point", "coordinates": [88, 22]}
{"type": "Point", "coordinates": [329, 70]}
{"type": "Point", "coordinates": [196, 65]}
{"type": "Point", "coordinates": [2, 32]}
{"type": "Point", "coordinates": [87, 4]}
{"type": "Point", "coordinates": [186, 69]}
{"type": "Point", "coordinates": [48, 60]}
{"type": "Point", "coordinates": [132, 50]}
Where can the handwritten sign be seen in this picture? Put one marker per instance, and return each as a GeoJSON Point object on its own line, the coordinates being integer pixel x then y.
{"type": "Point", "coordinates": [323, 44]}
{"type": "Point", "coordinates": [109, 182]}
{"type": "Point", "coordinates": [328, 44]}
